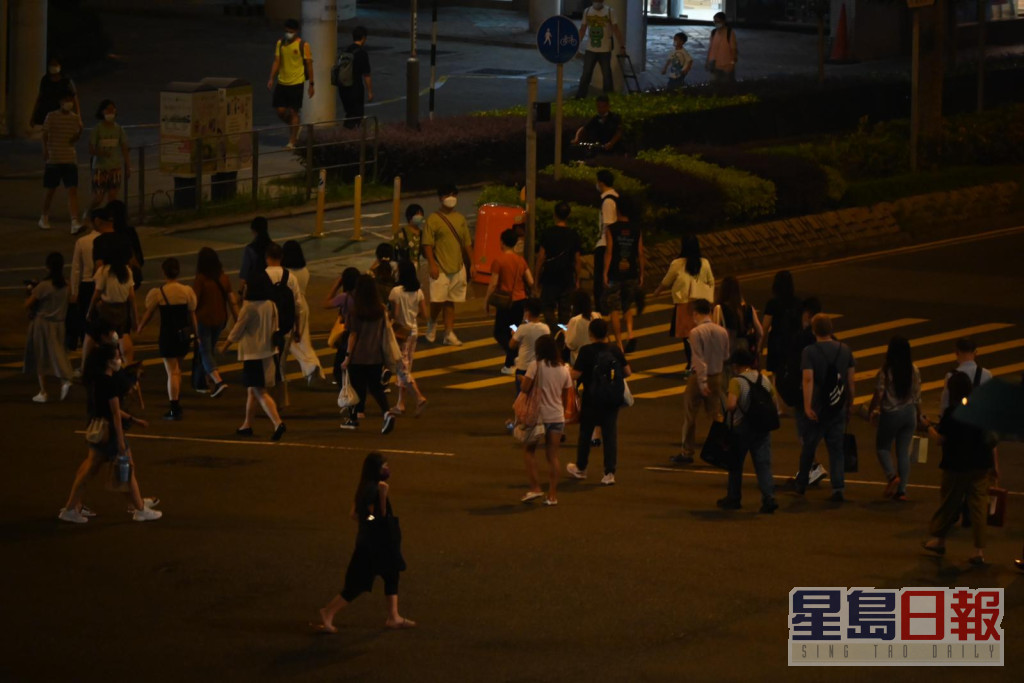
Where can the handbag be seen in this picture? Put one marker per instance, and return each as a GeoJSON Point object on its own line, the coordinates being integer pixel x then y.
{"type": "Point", "coordinates": [718, 447]}
{"type": "Point", "coordinates": [919, 450]}
{"type": "Point", "coordinates": [98, 430]}
{"type": "Point", "coordinates": [572, 407]}
{"type": "Point", "coordinates": [701, 290]}
{"type": "Point", "coordinates": [347, 396]}
{"type": "Point", "coordinates": [996, 506]}
{"type": "Point", "coordinates": [627, 395]}
{"type": "Point", "coordinates": [334, 336]}
{"type": "Point", "coordinates": [500, 299]}
{"type": "Point", "coordinates": [390, 348]}
{"type": "Point", "coordinates": [529, 435]}
{"type": "Point", "coordinates": [114, 481]}
{"type": "Point", "coordinates": [850, 460]}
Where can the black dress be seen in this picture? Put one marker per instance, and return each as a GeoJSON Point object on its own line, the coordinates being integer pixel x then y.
{"type": "Point", "coordinates": [175, 329]}
{"type": "Point", "coordinates": [378, 550]}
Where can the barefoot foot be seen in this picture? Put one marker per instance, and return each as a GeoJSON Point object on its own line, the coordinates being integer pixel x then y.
{"type": "Point", "coordinates": [401, 623]}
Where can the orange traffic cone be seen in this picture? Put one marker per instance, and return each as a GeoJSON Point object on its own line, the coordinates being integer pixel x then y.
{"type": "Point", "coordinates": [840, 48]}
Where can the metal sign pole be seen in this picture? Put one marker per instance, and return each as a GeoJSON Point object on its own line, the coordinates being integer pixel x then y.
{"type": "Point", "coordinates": [915, 94]}
{"type": "Point", "coordinates": [412, 76]}
{"type": "Point", "coordinates": [558, 121]}
{"type": "Point", "coordinates": [531, 168]}
{"type": "Point", "coordinates": [433, 60]}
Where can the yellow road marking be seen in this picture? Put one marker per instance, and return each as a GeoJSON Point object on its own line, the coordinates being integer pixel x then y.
{"type": "Point", "coordinates": [939, 383]}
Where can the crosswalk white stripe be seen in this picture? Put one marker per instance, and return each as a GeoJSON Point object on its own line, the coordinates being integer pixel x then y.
{"type": "Point", "coordinates": [939, 383]}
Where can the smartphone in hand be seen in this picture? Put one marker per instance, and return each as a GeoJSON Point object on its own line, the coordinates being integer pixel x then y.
{"type": "Point", "coordinates": [513, 327]}
{"type": "Point", "coordinates": [564, 328]}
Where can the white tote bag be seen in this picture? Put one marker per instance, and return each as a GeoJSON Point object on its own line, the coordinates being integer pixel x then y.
{"type": "Point", "coordinates": [347, 396]}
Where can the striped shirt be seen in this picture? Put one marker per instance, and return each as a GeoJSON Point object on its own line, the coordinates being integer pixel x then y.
{"type": "Point", "coordinates": [61, 130]}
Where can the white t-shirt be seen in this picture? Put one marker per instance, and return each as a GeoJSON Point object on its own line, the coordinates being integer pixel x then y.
{"type": "Point", "coordinates": [550, 382]}
{"type": "Point", "coordinates": [177, 294]}
{"type": "Point", "coordinates": [599, 28]}
{"type": "Point", "coordinates": [609, 214]}
{"type": "Point", "coordinates": [275, 273]}
{"type": "Point", "coordinates": [408, 305]}
{"type": "Point", "coordinates": [527, 336]}
{"type": "Point", "coordinates": [112, 290]}
{"type": "Point", "coordinates": [577, 333]}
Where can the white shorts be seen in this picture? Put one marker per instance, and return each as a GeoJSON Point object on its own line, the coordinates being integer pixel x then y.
{"type": "Point", "coordinates": [448, 287]}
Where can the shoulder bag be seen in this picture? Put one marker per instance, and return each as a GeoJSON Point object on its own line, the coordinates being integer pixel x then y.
{"type": "Point", "coordinates": [98, 430]}
{"type": "Point", "coordinates": [462, 245]}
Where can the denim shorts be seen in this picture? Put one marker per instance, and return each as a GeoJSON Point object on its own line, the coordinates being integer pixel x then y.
{"type": "Point", "coordinates": [554, 427]}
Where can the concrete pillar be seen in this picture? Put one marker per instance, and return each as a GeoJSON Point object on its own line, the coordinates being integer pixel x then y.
{"type": "Point", "coordinates": [26, 48]}
{"type": "Point", "coordinates": [541, 10]}
{"type": "Point", "coordinates": [320, 30]}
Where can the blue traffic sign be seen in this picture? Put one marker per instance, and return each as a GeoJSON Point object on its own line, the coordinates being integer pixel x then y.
{"type": "Point", "coordinates": [558, 39]}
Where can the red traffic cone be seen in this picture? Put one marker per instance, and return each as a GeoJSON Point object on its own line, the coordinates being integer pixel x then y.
{"type": "Point", "coordinates": [840, 47]}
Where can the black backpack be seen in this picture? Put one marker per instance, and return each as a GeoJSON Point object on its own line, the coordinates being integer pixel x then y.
{"type": "Point", "coordinates": [285, 302]}
{"type": "Point", "coordinates": [761, 414]}
{"type": "Point", "coordinates": [343, 71]}
{"type": "Point", "coordinates": [833, 388]}
{"type": "Point", "coordinates": [607, 384]}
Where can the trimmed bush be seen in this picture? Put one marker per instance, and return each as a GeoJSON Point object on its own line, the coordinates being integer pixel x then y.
{"type": "Point", "coordinates": [583, 219]}
{"type": "Point", "coordinates": [747, 197]}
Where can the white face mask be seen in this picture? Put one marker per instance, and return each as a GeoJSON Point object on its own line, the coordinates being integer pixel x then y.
{"type": "Point", "coordinates": [109, 117]}
{"type": "Point", "coordinates": [67, 106]}
{"type": "Point", "coordinates": [719, 24]}
{"type": "Point", "coordinates": [450, 202]}
{"type": "Point", "coordinates": [289, 35]}
{"type": "Point", "coordinates": [54, 70]}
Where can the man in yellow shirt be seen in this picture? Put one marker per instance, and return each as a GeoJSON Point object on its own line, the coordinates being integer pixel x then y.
{"type": "Point", "coordinates": [293, 66]}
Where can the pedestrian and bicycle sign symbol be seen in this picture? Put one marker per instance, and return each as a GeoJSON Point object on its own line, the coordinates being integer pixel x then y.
{"type": "Point", "coordinates": [558, 39]}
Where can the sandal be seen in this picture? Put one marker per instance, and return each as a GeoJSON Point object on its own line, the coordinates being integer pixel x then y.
{"type": "Point", "coordinates": [404, 623]}
{"type": "Point", "coordinates": [937, 549]}
{"type": "Point", "coordinates": [531, 495]}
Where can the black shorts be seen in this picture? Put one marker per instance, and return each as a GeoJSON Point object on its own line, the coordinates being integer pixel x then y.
{"type": "Point", "coordinates": [288, 96]}
{"type": "Point", "coordinates": [620, 296]}
{"type": "Point", "coordinates": [57, 174]}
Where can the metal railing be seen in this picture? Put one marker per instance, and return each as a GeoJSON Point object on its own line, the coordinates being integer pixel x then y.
{"type": "Point", "coordinates": [249, 169]}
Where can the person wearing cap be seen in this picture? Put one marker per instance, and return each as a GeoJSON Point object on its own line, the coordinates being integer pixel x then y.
{"type": "Point", "coordinates": [446, 243]}
{"type": "Point", "coordinates": [293, 66]}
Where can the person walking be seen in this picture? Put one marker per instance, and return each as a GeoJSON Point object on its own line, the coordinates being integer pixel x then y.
{"type": "Point", "coordinates": [114, 301]}
{"type": "Point", "coordinates": [125, 240]}
{"type": "Point", "coordinates": [969, 465]}
{"type": "Point", "coordinates": [602, 369]}
{"type": "Point", "coordinates": [108, 146]}
{"type": "Point", "coordinates": [828, 380]}
{"type": "Point", "coordinates": [254, 255]}
{"type": "Point", "coordinates": [747, 413]}
{"type": "Point", "coordinates": [607, 215]}
{"type": "Point", "coordinates": [82, 287]}
{"type": "Point", "coordinates": [738, 317]}
{"type": "Point", "coordinates": [624, 264]}
{"type": "Point", "coordinates": [292, 67]}
{"type": "Point", "coordinates": [364, 359]}
{"type": "Point", "coordinates": [506, 293]}
{"type": "Point", "coordinates": [291, 313]}
{"type": "Point", "coordinates": [446, 244]}
{"type": "Point", "coordinates": [577, 332]}
{"type": "Point", "coordinates": [723, 53]}
{"type": "Point", "coordinates": [61, 130]}
{"type": "Point", "coordinates": [550, 378]}
{"type": "Point", "coordinates": [689, 277]}
{"type": "Point", "coordinates": [178, 325]}
{"type": "Point", "coordinates": [710, 345]}
{"type": "Point", "coordinates": [782, 322]}
{"type": "Point", "coordinates": [678, 64]}
{"type": "Point", "coordinates": [406, 305]}
{"type": "Point", "coordinates": [789, 383]}
{"type": "Point", "coordinates": [966, 351]}
{"type": "Point", "coordinates": [407, 245]}
{"type": "Point", "coordinates": [559, 261]}
{"type": "Point", "coordinates": [214, 302]}
{"type": "Point", "coordinates": [378, 550]}
{"type": "Point", "coordinates": [524, 338]}
{"type": "Point", "coordinates": [254, 331]}
{"type": "Point", "coordinates": [355, 86]}
{"type": "Point", "coordinates": [105, 393]}
{"type": "Point", "coordinates": [341, 299]}
{"type": "Point", "coordinates": [294, 261]}
{"type": "Point", "coordinates": [600, 22]}
{"type": "Point", "coordinates": [53, 87]}
{"type": "Point", "coordinates": [47, 305]}
{"type": "Point", "coordinates": [896, 407]}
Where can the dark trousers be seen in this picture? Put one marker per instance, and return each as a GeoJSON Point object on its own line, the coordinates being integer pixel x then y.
{"type": "Point", "coordinates": [77, 325]}
{"type": "Point", "coordinates": [960, 489]}
{"type": "Point", "coordinates": [513, 315]}
{"type": "Point", "coordinates": [339, 357]}
{"type": "Point", "coordinates": [552, 299]}
{"type": "Point", "coordinates": [353, 102]}
{"type": "Point", "coordinates": [831, 429]}
{"type": "Point", "coordinates": [760, 448]}
{"type": "Point", "coordinates": [599, 280]}
{"type": "Point", "coordinates": [590, 60]}
{"type": "Point", "coordinates": [366, 379]}
{"type": "Point", "coordinates": [608, 421]}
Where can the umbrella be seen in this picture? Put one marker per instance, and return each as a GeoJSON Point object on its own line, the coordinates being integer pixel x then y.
{"type": "Point", "coordinates": [996, 406]}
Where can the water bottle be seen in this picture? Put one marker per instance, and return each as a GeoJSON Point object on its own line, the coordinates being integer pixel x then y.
{"type": "Point", "coordinates": [124, 469]}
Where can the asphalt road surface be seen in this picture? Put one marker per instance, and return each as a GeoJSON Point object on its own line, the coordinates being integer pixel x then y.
{"type": "Point", "coordinates": [646, 580]}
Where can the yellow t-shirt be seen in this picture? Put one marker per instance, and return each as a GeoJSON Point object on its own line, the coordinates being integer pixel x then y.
{"type": "Point", "coordinates": [291, 68]}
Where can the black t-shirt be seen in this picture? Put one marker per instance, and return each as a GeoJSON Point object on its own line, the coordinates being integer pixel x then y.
{"type": "Point", "coordinates": [360, 66]}
{"type": "Point", "coordinates": [112, 247]}
{"type": "Point", "coordinates": [602, 130]}
{"type": "Point", "coordinates": [51, 92]}
{"type": "Point", "coordinates": [560, 248]}
{"type": "Point", "coordinates": [965, 447]}
{"type": "Point", "coordinates": [625, 244]}
{"type": "Point", "coordinates": [104, 388]}
{"type": "Point", "coordinates": [587, 359]}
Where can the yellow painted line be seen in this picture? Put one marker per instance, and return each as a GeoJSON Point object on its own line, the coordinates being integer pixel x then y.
{"type": "Point", "coordinates": [935, 338]}
{"type": "Point", "coordinates": [482, 383]}
{"type": "Point", "coordinates": [662, 393]}
{"type": "Point", "coordinates": [946, 359]}
{"type": "Point", "coordinates": [939, 383]}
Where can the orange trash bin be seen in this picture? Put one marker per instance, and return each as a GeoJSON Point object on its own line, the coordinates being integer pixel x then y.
{"type": "Point", "coordinates": [491, 221]}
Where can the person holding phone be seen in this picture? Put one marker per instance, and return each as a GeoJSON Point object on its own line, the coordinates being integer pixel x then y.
{"type": "Point", "coordinates": [506, 294]}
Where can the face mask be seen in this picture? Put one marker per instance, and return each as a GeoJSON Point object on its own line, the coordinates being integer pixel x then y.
{"type": "Point", "coordinates": [54, 70]}
{"type": "Point", "coordinates": [385, 474]}
{"type": "Point", "coordinates": [67, 106]}
{"type": "Point", "coordinates": [289, 35]}
{"type": "Point", "coordinates": [450, 202]}
{"type": "Point", "coordinates": [115, 364]}
{"type": "Point", "coordinates": [109, 117]}
{"type": "Point", "coordinates": [417, 221]}
{"type": "Point", "coordinates": [719, 24]}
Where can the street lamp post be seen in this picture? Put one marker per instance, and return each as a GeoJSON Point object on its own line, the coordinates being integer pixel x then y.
{"type": "Point", "coordinates": [412, 75]}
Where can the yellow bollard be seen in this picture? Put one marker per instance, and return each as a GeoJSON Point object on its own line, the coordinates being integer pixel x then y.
{"type": "Point", "coordinates": [357, 210]}
{"type": "Point", "coordinates": [396, 206]}
{"type": "Point", "coordinates": [321, 198]}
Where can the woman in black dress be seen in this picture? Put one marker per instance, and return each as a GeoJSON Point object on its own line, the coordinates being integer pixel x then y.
{"type": "Point", "coordinates": [378, 549]}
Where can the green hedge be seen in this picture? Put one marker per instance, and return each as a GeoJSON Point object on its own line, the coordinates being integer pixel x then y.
{"type": "Point", "coordinates": [747, 197]}
{"type": "Point", "coordinates": [583, 219]}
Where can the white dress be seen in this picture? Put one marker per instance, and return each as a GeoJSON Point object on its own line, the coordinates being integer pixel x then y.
{"type": "Point", "coordinates": [303, 350]}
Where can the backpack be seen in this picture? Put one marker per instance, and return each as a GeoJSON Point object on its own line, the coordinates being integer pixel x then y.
{"type": "Point", "coordinates": [607, 385]}
{"type": "Point", "coordinates": [343, 71]}
{"type": "Point", "coordinates": [833, 388]}
{"type": "Point", "coordinates": [285, 302]}
{"type": "Point", "coordinates": [302, 54]}
{"type": "Point", "coordinates": [761, 414]}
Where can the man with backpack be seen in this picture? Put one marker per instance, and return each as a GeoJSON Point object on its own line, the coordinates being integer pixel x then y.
{"type": "Point", "coordinates": [753, 416]}
{"type": "Point", "coordinates": [828, 381]}
{"type": "Point", "coordinates": [602, 368]}
{"type": "Point", "coordinates": [710, 349]}
{"type": "Point", "coordinates": [287, 296]}
{"type": "Point", "coordinates": [293, 66]}
{"type": "Point", "coordinates": [967, 363]}
{"type": "Point", "coordinates": [351, 73]}
{"type": "Point", "coordinates": [790, 381]}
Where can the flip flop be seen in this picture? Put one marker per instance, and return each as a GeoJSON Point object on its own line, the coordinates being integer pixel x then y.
{"type": "Point", "coordinates": [320, 629]}
{"type": "Point", "coordinates": [532, 495]}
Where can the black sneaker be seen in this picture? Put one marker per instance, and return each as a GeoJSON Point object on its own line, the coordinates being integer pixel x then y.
{"type": "Point", "coordinates": [173, 414]}
{"type": "Point", "coordinates": [728, 503]}
{"type": "Point", "coordinates": [769, 506]}
{"type": "Point", "coordinates": [595, 442]}
{"type": "Point", "coordinates": [218, 389]}
{"type": "Point", "coordinates": [681, 459]}
{"type": "Point", "coordinates": [837, 497]}
{"type": "Point", "coordinates": [389, 423]}
{"type": "Point", "coordinates": [350, 423]}
{"type": "Point", "coordinates": [385, 376]}
{"type": "Point", "coordinates": [279, 432]}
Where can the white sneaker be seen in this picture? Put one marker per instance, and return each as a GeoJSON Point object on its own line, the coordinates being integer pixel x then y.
{"type": "Point", "coordinates": [39, 398]}
{"type": "Point", "coordinates": [72, 515]}
{"type": "Point", "coordinates": [608, 479]}
{"type": "Point", "coordinates": [151, 502]}
{"type": "Point", "coordinates": [87, 512]}
{"type": "Point", "coordinates": [451, 340]}
{"type": "Point", "coordinates": [76, 226]}
{"type": "Point", "coordinates": [146, 515]}
{"type": "Point", "coordinates": [65, 388]}
{"type": "Point", "coordinates": [44, 223]}
{"type": "Point", "coordinates": [816, 474]}
{"type": "Point", "coordinates": [431, 334]}
{"type": "Point", "coordinates": [508, 370]}
{"type": "Point", "coordinates": [77, 374]}
{"type": "Point", "coordinates": [575, 472]}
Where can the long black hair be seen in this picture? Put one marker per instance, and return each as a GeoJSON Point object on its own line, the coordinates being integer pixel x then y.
{"type": "Point", "coordinates": [55, 269]}
{"type": "Point", "coordinates": [368, 480]}
{"type": "Point", "coordinates": [690, 251]}
{"type": "Point", "coordinates": [582, 304]}
{"type": "Point", "coordinates": [208, 264]}
{"type": "Point", "coordinates": [96, 366]}
{"type": "Point", "coordinates": [899, 365]}
{"type": "Point", "coordinates": [349, 278]}
{"type": "Point", "coordinates": [293, 256]}
{"type": "Point", "coordinates": [407, 276]}
{"type": "Point", "coordinates": [367, 299]}
{"type": "Point", "coordinates": [782, 285]}
{"type": "Point", "coordinates": [261, 235]}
